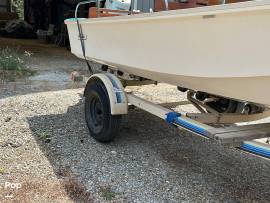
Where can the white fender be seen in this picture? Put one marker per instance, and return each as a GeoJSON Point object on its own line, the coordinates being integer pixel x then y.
{"type": "Point", "coordinates": [116, 92]}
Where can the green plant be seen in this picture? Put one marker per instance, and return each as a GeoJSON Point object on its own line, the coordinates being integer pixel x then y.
{"type": "Point", "coordinates": [43, 135]}
{"type": "Point", "coordinates": [2, 171]}
{"type": "Point", "coordinates": [107, 193]}
{"type": "Point", "coordinates": [12, 64]}
{"type": "Point", "coordinates": [19, 5]}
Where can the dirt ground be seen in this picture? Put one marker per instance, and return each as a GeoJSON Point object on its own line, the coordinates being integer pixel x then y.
{"type": "Point", "coordinates": [53, 65]}
{"type": "Point", "coordinates": [47, 154]}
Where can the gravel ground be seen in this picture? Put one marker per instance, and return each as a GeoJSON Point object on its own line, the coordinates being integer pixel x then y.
{"type": "Point", "coordinates": [45, 146]}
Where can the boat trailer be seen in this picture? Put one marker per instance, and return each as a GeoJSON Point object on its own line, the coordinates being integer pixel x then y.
{"type": "Point", "coordinates": [106, 100]}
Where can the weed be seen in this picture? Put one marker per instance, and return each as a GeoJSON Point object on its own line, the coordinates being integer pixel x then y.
{"type": "Point", "coordinates": [12, 64]}
{"type": "Point", "coordinates": [108, 193]}
{"type": "Point", "coordinates": [44, 135]}
{"type": "Point", "coordinates": [2, 171]}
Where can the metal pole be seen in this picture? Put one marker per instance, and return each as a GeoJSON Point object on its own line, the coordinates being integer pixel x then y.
{"type": "Point", "coordinates": [98, 6]}
{"type": "Point", "coordinates": [82, 3]}
{"type": "Point", "coordinates": [81, 36]}
{"type": "Point", "coordinates": [166, 5]}
{"type": "Point", "coordinates": [132, 6]}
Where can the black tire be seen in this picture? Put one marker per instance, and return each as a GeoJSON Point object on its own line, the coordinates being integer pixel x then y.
{"type": "Point", "coordinates": [102, 125]}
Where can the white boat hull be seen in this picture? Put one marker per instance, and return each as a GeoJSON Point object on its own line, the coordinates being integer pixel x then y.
{"type": "Point", "coordinates": [222, 50]}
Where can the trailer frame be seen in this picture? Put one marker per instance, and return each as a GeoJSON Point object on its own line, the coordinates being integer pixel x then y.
{"type": "Point", "coordinates": [244, 137]}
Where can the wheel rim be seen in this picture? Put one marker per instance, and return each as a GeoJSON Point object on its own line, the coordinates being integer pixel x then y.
{"type": "Point", "coordinates": [96, 114]}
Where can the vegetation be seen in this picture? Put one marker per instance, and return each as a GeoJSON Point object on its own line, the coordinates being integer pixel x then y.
{"type": "Point", "coordinates": [45, 136]}
{"type": "Point", "coordinates": [108, 194]}
{"type": "Point", "coordinates": [19, 5]}
{"type": "Point", "coordinates": [2, 171]}
{"type": "Point", "coordinates": [12, 64]}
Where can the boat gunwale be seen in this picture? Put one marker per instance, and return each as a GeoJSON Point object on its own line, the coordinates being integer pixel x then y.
{"type": "Point", "coordinates": [189, 12]}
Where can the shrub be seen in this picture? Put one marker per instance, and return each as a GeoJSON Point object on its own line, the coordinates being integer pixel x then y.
{"type": "Point", "coordinates": [19, 5]}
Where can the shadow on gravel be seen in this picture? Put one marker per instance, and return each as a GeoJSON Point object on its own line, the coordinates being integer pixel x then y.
{"type": "Point", "coordinates": [147, 158]}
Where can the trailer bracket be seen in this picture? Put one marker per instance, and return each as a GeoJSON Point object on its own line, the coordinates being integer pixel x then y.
{"type": "Point", "coordinates": [171, 117]}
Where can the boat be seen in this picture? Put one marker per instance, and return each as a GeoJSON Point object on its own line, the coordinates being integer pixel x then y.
{"type": "Point", "coordinates": [220, 50]}
{"type": "Point", "coordinates": [217, 55]}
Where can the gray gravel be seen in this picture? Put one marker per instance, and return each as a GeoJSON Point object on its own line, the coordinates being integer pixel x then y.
{"type": "Point", "coordinates": [44, 143]}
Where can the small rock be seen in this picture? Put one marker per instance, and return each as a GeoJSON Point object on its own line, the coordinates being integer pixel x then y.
{"type": "Point", "coordinates": [8, 119]}
{"type": "Point", "coordinates": [48, 140]}
{"type": "Point", "coordinates": [76, 77]}
{"type": "Point", "coordinates": [11, 144]}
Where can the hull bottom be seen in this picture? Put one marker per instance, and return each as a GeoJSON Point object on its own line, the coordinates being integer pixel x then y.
{"type": "Point", "coordinates": [251, 89]}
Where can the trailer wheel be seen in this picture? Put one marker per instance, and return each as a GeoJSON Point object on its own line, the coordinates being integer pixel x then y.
{"type": "Point", "coordinates": [102, 125]}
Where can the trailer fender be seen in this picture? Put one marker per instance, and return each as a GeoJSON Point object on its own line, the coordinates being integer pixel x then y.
{"type": "Point", "coordinates": [115, 90]}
